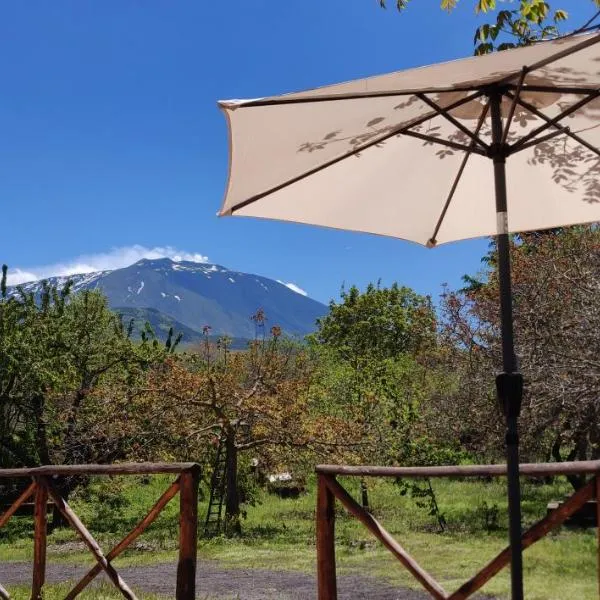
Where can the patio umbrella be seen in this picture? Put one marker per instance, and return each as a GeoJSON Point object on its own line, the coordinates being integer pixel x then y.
{"type": "Point", "coordinates": [416, 154]}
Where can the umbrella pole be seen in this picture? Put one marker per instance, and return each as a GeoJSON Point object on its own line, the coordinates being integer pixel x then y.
{"type": "Point", "coordinates": [508, 383]}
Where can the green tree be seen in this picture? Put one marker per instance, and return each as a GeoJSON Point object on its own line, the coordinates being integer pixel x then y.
{"type": "Point", "coordinates": [514, 23]}
{"type": "Point", "coordinates": [255, 400]}
{"type": "Point", "coordinates": [376, 324]}
{"type": "Point", "coordinates": [377, 366]}
{"type": "Point", "coordinates": [29, 371]}
{"type": "Point", "coordinates": [56, 351]}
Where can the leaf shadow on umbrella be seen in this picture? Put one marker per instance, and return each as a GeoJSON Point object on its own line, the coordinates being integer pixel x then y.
{"type": "Point", "coordinates": [575, 168]}
{"type": "Point", "coordinates": [355, 141]}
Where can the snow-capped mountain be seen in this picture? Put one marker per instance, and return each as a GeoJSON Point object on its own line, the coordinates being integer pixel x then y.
{"type": "Point", "coordinates": [191, 295]}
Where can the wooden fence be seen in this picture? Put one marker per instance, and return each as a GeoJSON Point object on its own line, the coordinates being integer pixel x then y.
{"type": "Point", "coordinates": [43, 488]}
{"type": "Point", "coordinates": [329, 489]}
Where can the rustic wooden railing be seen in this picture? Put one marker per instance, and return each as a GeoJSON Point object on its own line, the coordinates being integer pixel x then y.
{"type": "Point", "coordinates": [43, 488]}
{"type": "Point", "coordinates": [329, 489]}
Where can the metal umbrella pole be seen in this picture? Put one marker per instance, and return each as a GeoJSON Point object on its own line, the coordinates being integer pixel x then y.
{"type": "Point", "coordinates": [509, 383]}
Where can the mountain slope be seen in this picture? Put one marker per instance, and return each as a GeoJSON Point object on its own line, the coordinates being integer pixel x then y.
{"type": "Point", "coordinates": [196, 294]}
{"type": "Point", "coordinates": [161, 324]}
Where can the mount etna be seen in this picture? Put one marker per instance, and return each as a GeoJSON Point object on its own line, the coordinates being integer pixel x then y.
{"type": "Point", "coordinates": [189, 296]}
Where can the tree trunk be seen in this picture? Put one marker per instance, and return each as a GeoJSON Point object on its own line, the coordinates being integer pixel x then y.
{"type": "Point", "coordinates": [41, 436]}
{"type": "Point", "coordinates": [576, 481]}
{"type": "Point", "coordinates": [43, 453]}
{"type": "Point", "coordinates": [65, 485]}
{"type": "Point", "coordinates": [71, 426]}
{"type": "Point", "coordinates": [364, 493]}
{"type": "Point", "coordinates": [233, 525]}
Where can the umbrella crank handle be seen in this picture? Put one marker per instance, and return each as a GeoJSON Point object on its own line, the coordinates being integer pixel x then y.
{"type": "Point", "coordinates": [509, 388]}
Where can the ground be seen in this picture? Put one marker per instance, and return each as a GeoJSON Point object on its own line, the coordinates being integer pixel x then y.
{"type": "Point", "coordinates": [214, 581]}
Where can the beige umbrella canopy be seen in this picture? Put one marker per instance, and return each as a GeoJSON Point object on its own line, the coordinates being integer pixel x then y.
{"type": "Point", "coordinates": [410, 155]}
{"type": "Point", "coordinates": [352, 156]}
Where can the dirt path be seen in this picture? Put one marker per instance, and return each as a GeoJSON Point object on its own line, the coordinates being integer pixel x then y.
{"type": "Point", "coordinates": [216, 582]}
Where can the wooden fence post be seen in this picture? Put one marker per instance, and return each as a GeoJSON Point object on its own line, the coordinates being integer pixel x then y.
{"type": "Point", "coordinates": [39, 538]}
{"type": "Point", "coordinates": [188, 534]}
{"type": "Point", "coordinates": [597, 480]}
{"type": "Point", "coordinates": [326, 578]}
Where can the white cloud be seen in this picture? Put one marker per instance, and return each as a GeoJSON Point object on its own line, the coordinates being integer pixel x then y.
{"type": "Point", "coordinates": [293, 287]}
{"type": "Point", "coordinates": [117, 258]}
{"type": "Point", "coordinates": [16, 276]}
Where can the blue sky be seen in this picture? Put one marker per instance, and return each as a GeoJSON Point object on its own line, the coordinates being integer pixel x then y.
{"type": "Point", "coordinates": [112, 147]}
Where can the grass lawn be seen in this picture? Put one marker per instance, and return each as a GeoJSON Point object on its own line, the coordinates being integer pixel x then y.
{"type": "Point", "coordinates": [280, 534]}
{"type": "Point", "coordinates": [58, 592]}
{"type": "Point", "coordinates": [100, 592]}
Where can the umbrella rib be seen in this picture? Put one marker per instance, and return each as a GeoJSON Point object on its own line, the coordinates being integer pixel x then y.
{"type": "Point", "coordinates": [432, 240]}
{"type": "Point", "coordinates": [563, 53]}
{"type": "Point", "coordinates": [544, 138]}
{"type": "Point", "coordinates": [459, 88]}
{"type": "Point", "coordinates": [577, 91]}
{"type": "Point", "coordinates": [551, 122]}
{"type": "Point", "coordinates": [585, 26]}
{"type": "Point", "coordinates": [538, 113]}
{"type": "Point", "coordinates": [397, 93]}
{"type": "Point", "coordinates": [394, 132]}
{"type": "Point", "coordinates": [443, 142]}
{"type": "Point", "coordinates": [538, 65]}
{"type": "Point", "coordinates": [337, 98]}
{"type": "Point", "coordinates": [444, 113]}
{"type": "Point", "coordinates": [513, 105]}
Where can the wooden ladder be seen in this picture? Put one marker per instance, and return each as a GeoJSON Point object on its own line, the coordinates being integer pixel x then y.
{"type": "Point", "coordinates": [214, 520]}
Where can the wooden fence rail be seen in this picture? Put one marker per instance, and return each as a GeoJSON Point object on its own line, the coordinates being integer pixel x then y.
{"type": "Point", "coordinates": [43, 488]}
{"type": "Point", "coordinates": [329, 490]}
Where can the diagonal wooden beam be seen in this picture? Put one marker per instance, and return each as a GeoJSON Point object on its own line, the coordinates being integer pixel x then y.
{"type": "Point", "coordinates": [424, 578]}
{"type": "Point", "coordinates": [4, 594]}
{"type": "Point", "coordinates": [90, 542]}
{"type": "Point", "coordinates": [127, 540]}
{"type": "Point", "coordinates": [530, 537]}
{"type": "Point", "coordinates": [15, 505]}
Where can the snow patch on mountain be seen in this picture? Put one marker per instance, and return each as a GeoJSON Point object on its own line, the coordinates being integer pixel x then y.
{"type": "Point", "coordinates": [293, 287]}
{"type": "Point", "coordinates": [78, 282]}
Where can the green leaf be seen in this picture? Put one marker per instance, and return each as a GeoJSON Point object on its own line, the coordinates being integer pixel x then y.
{"type": "Point", "coordinates": [448, 4]}
{"type": "Point", "coordinates": [485, 5]}
{"type": "Point", "coordinates": [484, 49]}
{"type": "Point", "coordinates": [560, 15]}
